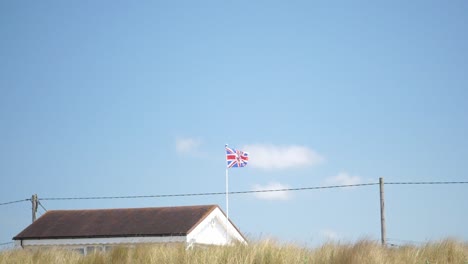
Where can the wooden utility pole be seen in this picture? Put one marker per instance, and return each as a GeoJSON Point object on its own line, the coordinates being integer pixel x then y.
{"type": "Point", "coordinates": [34, 206]}
{"type": "Point", "coordinates": [383, 230]}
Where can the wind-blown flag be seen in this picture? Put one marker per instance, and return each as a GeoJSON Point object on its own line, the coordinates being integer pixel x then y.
{"type": "Point", "coordinates": [236, 158]}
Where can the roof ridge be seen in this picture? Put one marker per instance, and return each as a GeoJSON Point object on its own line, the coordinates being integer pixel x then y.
{"type": "Point", "coordinates": [131, 208]}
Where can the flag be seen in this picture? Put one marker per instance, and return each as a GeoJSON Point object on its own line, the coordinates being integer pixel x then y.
{"type": "Point", "coordinates": [236, 158]}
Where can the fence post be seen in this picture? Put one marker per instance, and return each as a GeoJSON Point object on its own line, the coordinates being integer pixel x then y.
{"type": "Point", "coordinates": [383, 230]}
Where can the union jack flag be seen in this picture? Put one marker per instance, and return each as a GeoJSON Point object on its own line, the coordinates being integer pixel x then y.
{"type": "Point", "coordinates": [236, 158]}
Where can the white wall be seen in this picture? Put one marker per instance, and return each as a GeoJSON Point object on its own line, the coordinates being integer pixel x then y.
{"type": "Point", "coordinates": [212, 231]}
{"type": "Point", "coordinates": [109, 240]}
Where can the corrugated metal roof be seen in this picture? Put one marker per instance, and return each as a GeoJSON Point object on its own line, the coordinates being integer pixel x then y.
{"type": "Point", "coordinates": [159, 221]}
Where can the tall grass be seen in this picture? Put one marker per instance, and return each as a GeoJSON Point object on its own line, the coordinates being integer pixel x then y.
{"type": "Point", "coordinates": [265, 252]}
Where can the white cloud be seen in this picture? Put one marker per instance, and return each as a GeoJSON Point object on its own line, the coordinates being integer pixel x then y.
{"type": "Point", "coordinates": [187, 145]}
{"type": "Point", "coordinates": [279, 195]}
{"type": "Point", "coordinates": [281, 157]}
{"type": "Point", "coordinates": [343, 178]}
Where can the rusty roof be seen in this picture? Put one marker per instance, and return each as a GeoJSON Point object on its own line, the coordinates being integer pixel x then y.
{"type": "Point", "coordinates": [158, 221]}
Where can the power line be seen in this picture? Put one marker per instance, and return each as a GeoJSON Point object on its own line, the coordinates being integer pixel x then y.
{"type": "Point", "coordinates": [426, 183]}
{"type": "Point", "coordinates": [235, 192]}
{"type": "Point", "coordinates": [248, 192]}
{"type": "Point", "coordinates": [7, 243]}
{"type": "Point", "coordinates": [18, 201]}
{"type": "Point", "coordinates": [41, 205]}
{"type": "Point", "coordinates": [209, 193]}
{"type": "Point", "coordinates": [307, 188]}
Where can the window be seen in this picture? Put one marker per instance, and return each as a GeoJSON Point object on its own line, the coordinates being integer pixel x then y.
{"type": "Point", "coordinates": [90, 249]}
{"type": "Point", "coordinates": [108, 248]}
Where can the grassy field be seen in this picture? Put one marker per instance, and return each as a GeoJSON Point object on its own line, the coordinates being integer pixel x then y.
{"type": "Point", "coordinates": [361, 252]}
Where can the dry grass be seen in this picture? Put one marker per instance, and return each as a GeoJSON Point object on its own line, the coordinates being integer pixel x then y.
{"type": "Point", "coordinates": [361, 252]}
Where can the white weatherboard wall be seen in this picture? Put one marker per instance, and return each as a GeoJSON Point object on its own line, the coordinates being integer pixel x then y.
{"type": "Point", "coordinates": [99, 241]}
{"type": "Point", "coordinates": [212, 231]}
{"type": "Point", "coordinates": [89, 245]}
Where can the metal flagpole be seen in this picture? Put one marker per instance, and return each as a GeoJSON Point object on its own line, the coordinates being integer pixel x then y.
{"type": "Point", "coordinates": [227, 194]}
{"type": "Point", "coordinates": [227, 203]}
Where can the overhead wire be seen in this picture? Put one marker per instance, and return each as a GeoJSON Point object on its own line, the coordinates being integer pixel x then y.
{"type": "Point", "coordinates": [426, 183]}
{"type": "Point", "coordinates": [247, 192]}
{"type": "Point", "coordinates": [39, 202]}
{"type": "Point", "coordinates": [209, 193]}
{"type": "Point", "coordinates": [18, 201]}
{"type": "Point", "coordinates": [235, 192]}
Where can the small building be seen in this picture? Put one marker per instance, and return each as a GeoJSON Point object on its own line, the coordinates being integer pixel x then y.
{"type": "Point", "coordinates": [100, 229]}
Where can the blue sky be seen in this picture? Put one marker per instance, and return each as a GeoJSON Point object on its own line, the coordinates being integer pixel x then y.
{"type": "Point", "coordinates": [105, 98]}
